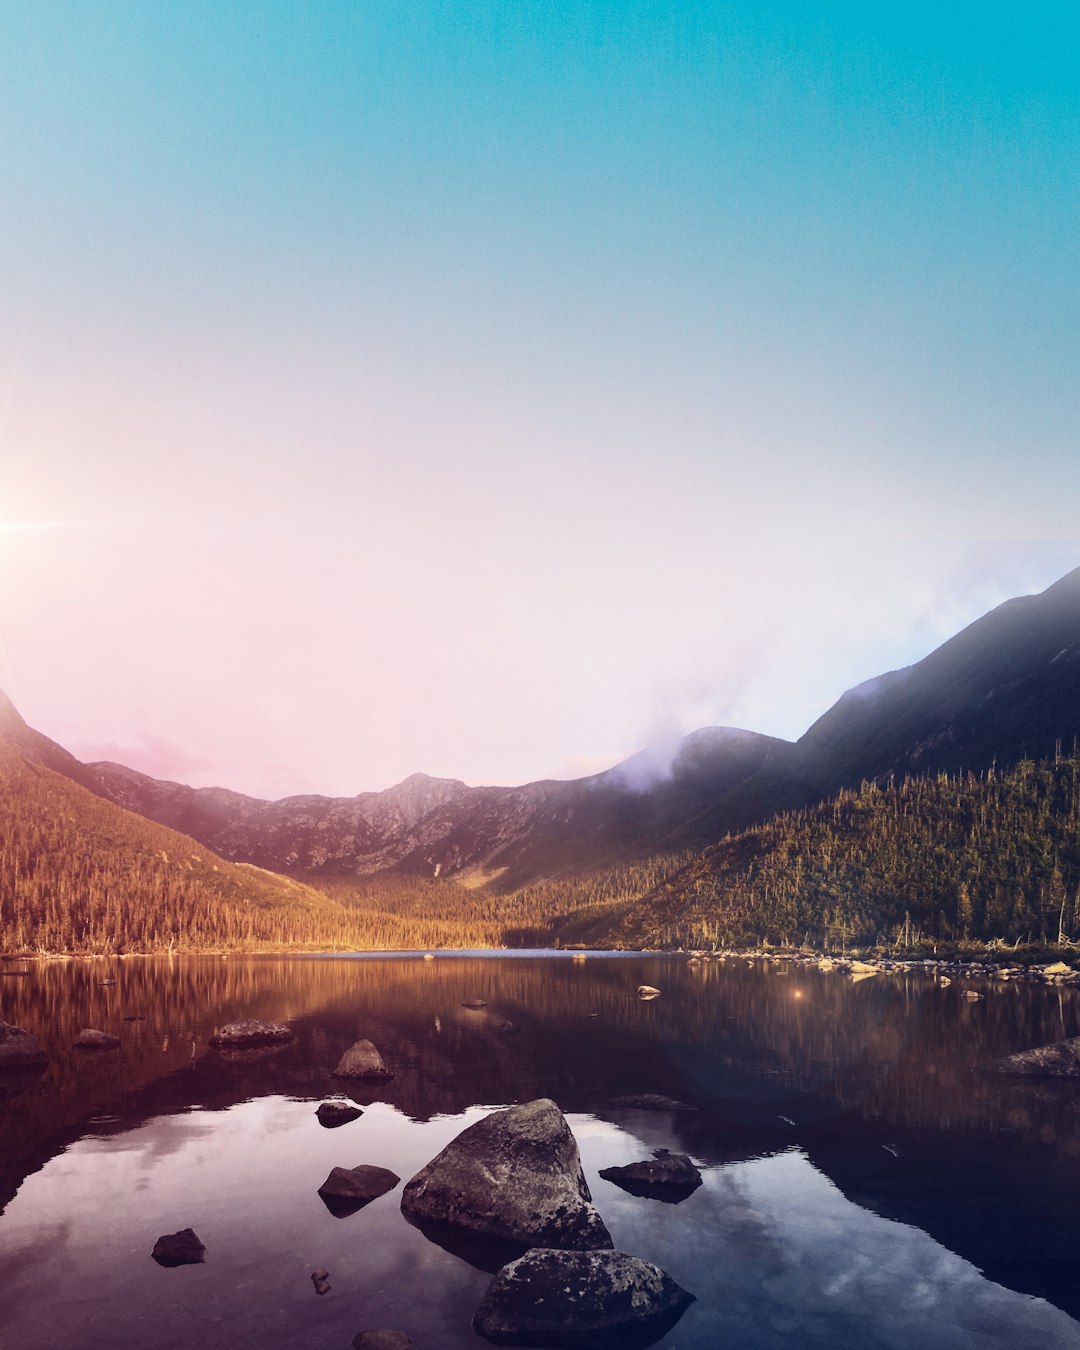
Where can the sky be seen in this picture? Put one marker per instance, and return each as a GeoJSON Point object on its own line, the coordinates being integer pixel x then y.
{"type": "Point", "coordinates": [490, 389]}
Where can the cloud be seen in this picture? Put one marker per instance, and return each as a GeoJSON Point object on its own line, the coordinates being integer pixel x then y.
{"type": "Point", "coordinates": [151, 755]}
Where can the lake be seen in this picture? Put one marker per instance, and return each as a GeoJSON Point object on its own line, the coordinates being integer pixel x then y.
{"type": "Point", "coordinates": [864, 1186]}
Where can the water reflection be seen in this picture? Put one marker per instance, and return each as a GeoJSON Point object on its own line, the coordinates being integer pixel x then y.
{"type": "Point", "coordinates": [828, 1112]}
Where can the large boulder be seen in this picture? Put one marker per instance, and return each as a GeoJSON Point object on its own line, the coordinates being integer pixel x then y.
{"type": "Point", "coordinates": [362, 1060]}
{"type": "Point", "coordinates": [665, 1176]}
{"type": "Point", "coordinates": [251, 1032]}
{"type": "Point", "coordinates": [513, 1177]}
{"type": "Point", "coordinates": [19, 1047]}
{"type": "Point", "coordinates": [1059, 1060]}
{"type": "Point", "coordinates": [562, 1298]}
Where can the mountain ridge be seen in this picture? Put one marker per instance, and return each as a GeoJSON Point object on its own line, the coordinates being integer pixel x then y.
{"type": "Point", "coordinates": [1005, 687]}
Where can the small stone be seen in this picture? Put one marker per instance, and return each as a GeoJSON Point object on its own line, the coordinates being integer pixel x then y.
{"type": "Point", "coordinates": [179, 1249]}
{"type": "Point", "coordinates": [647, 991]}
{"type": "Point", "coordinates": [89, 1039]}
{"type": "Point", "coordinates": [666, 1176]}
{"type": "Point", "coordinates": [321, 1280]}
{"type": "Point", "coordinates": [648, 1101]}
{"type": "Point", "coordinates": [346, 1189]}
{"type": "Point", "coordinates": [475, 1004]}
{"type": "Point", "coordinates": [333, 1114]}
{"type": "Point", "coordinates": [362, 1060]}
{"type": "Point", "coordinates": [251, 1032]}
{"type": "Point", "coordinates": [972, 995]}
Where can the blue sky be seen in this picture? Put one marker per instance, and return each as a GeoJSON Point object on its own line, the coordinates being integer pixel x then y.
{"type": "Point", "coordinates": [488, 388]}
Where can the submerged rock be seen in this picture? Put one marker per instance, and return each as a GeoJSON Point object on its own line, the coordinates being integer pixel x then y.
{"type": "Point", "coordinates": [562, 1298]}
{"type": "Point", "coordinates": [382, 1338]}
{"type": "Point", "coordinates": [513, 1177]}
{"type": "Point", "coordinates": [351, 1188]}
{"type": "Point", "coordinates": [474, 1003]}
{"type": "Point", "coordinates": [179, 1249]}
{"type": "Point", "coordinates": [19, 1047]}
{"type": "Point", "coordinates": [665, 1176]}
{"type": "Point", "coordinates": [89, 1039]}
{"type": "Point", "coordinates": [1059, 1060]}
{"type": "Point", "coordinates": [647, 1101]}
{"type": "Point", "coordinates": [362, 1060]}
{"type": "Point", "coordinates": [333, 1114]}
{"type": "Point", "coordinates": [251, 1032]}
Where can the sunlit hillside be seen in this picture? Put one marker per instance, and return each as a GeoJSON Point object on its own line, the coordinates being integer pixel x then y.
{"type": "Point", "coordinates": [78, 874]}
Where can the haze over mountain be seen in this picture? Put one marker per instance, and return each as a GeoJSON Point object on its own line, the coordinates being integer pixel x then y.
{"type": "Point", "coordinates": [1004, 688]}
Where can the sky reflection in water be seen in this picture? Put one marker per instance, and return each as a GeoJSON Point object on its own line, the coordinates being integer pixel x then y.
{"type": "Point", "coordinates": [775, 1252]}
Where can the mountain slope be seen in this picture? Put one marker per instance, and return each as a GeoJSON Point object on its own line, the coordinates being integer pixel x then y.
{"type": "Point", "coordinates": [78, 873]}
{"type": "Point", "coordinates": [990, 856]}
{"type": "Point", "coordinates": [441, 826]}
{"type": "Point", "coordinates": [1007, 686]}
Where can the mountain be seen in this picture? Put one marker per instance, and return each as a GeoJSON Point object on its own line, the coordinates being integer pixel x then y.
{"type": "Point", "coordinates": [70, 862]}
{"type": "Point", "coordinates": [1006, 687]}
{"type": "Point", "coordinates": [437, 826]}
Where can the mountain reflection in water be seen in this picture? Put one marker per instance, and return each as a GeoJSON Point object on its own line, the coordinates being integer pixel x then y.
{"type": "Point", "coordinates": [858, 1173]}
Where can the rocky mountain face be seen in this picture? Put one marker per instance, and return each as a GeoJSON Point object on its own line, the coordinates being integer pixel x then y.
{"type": "Point", "coordinates": [1006, 687]}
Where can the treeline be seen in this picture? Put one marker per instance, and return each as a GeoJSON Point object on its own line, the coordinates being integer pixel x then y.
{"type": "Point", "coordinates": [989, 857]}
{"type": "Point", "coordinates": [79, 874]}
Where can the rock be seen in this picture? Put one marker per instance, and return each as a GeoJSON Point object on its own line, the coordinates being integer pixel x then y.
{"type": "Point", "coordinates": [513, 1177]}
{"type": "Point", "coordinates": [19, 1047]}
{"type": "Point", "coordinates": [1059, 1060]}
{"type": "Point", "coordinates": [179, 1249]}
{"type": "Point", "coordinates": [1058, 968]}
{"type": "Point", "coordinates": [358, 1185]}
{"type": "Point", "coordinates": [362, 1060]}
{"type": "Point", "coordinates": [89, 1039]}
{"type": "Point", "coordinates": [562, 1298]}
{"type": "Point", "coordinates": [665, 1176]}
{"type": "Point", "coordinates": [972, 995]}
{"type": "Point", "coordinates": [251, 1032]}
{"type": "Point", "coordinates": [382, 1338]}
{"type": "Point", "coordinates": [863, 968]}
{"type": "Point", "coordinates": [647, 991]}
{"type": "Point", "coordinates": [647, 1101]}
{"type": "Point", "coordinates": [475, 1004]}
{"type": "Point", "coordinates": [428, 956]}
{"type": "Point", "coordinates": [321, 1280]}
{"type": "Point", "coordinates": [333, 1114]}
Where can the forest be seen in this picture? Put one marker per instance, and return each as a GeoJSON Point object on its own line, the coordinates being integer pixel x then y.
{"type": "Point", "coordinates": [991, 857]}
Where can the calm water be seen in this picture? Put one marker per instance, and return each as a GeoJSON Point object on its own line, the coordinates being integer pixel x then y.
{"type": "Point", "coordinates": [864, 1187]}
